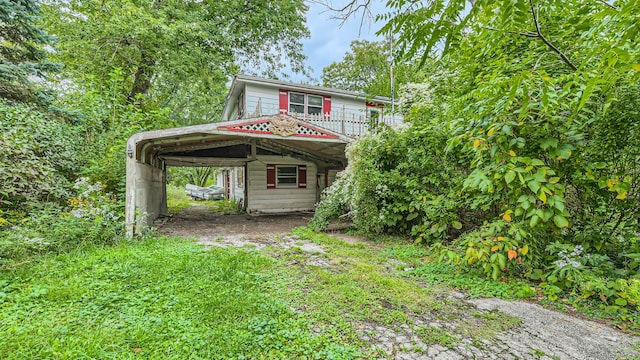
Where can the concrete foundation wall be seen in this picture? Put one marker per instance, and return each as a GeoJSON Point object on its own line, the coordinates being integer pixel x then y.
{"type": "Point", "coordinates": [151, 191]}
{"type": "Point", "coordinates": [146, 191]}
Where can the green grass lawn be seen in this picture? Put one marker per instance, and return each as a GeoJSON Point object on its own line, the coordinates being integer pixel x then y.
{"type": "Point", "coordinates": [163, 298]}
{"type": "Point", "coordinates": [172, 299]}
{"type": "Point", "coordinates": [178, 200]}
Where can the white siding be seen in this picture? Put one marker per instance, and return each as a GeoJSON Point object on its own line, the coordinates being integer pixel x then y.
{"type": "Point", "coordinates": [268, 97]}
{"type": "Point", "coordinates": [237, 189]}
{"type": "Point", "coordinates": [348, 115]}
{"type": "Point", "coordinates": [263, 200]}
{"type": "Point", "coordinates": [236, 192]}
{"type": "Point", "coordinates": [234, 112]}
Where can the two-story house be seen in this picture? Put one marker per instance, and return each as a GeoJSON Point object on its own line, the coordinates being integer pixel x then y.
{"type": "Point", "coordinates": [279, 144]}
{"type": "Point", "coordinates": [345, 112]}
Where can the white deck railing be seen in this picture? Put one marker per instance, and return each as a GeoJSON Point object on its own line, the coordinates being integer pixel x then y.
{"type": "Point", "coordinates": [347, 123]}
{"type": "Point", "coordinates": [343, 121]}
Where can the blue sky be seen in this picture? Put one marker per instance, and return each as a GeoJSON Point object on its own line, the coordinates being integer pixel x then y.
{"type": "Point", "coordinates": [329, 42]}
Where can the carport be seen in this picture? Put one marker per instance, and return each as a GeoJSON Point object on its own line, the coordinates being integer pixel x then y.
{"type": "Point", "coordinates": [223, 144]}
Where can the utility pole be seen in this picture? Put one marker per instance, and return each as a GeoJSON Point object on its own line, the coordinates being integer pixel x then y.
{"type": "Point", "coordinates": [393, 97]}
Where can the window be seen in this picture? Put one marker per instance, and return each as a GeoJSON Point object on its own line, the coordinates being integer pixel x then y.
{"type": "Point", "coordinates": [240, 177]}
{"type": "Point", "coordinates": [286, 176]}
{"type": "Point", "coordinates": [314, 105]}
{"type": "Point", "coordinates": [374, 117]}
{"type": "Point", "coordinates": [296, 103]}
{"type": "Point", "coordinates": [374, 114]}
{"type": "Point", "coordinates": [305, 104]}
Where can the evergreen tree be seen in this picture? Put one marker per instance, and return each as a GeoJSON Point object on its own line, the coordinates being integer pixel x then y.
{"type": "Point", "coordinates": [22, 58]}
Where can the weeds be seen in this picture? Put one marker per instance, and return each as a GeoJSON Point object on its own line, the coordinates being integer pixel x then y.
{"type": "Point", "coordinates": [167, 298]}
{"type": "Point", "coordinates": [362, 289]}
{"type": "Point", "coordinates": [431, 335]}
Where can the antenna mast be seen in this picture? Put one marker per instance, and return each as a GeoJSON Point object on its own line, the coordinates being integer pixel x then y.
{"type": "Point", "coordinates": [391, 59]}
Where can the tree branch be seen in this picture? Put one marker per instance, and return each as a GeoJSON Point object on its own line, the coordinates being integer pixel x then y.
{"type": "Point", "coordinates": [527, 34]}
{"type": "Point", "coordinates": [549, 44]}
{"type": "Point", "coordinates": [349, 10]}
{"type": "Point", "coordinates": [609, 5]}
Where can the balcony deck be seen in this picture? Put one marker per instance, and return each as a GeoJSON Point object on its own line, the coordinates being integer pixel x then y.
{"type": "Point", "coordinates": [347, 122]}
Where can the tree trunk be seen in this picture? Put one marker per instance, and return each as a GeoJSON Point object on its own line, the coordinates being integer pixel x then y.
{"type": "Point", "coordinates": [142, 79]}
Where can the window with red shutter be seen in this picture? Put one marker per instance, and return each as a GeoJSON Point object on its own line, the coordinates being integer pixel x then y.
{"type": "Point", "coordinates": [286, 176]}
{"type": "Point", "coordinates": [301, 104]}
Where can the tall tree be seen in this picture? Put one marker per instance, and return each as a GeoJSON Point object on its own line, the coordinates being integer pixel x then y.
{"type": "Point", "coordinates": [367, 67]}
{"type": "Point", "coordinates": [22, 57]}
{"type": "Point", "coordinates": [37, 161]}
{"type": "Point", "coordinates": [176, 53]}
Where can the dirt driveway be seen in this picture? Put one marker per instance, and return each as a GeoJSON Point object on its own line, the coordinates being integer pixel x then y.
{"type": "Point", "coordinates": [543, 334]}
{"type": "Point", "coordinates": [199, 221]}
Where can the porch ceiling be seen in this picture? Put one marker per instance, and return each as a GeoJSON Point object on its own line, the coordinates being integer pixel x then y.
{"type": "Point", "coordinates": [234, 143]}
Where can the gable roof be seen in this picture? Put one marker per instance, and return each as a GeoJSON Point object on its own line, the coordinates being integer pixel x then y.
{"type": "Point", "coordinates": [240, 80]}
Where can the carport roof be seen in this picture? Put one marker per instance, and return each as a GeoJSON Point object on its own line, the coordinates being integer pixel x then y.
{"type": "Point", "coordinates": [233, 143]}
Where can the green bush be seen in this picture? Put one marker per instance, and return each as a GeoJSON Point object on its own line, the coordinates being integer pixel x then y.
{"type": "Point", "coordinates": [91, 217]}
{"type": "Point", "coordinates": [37, 161]}
{"type": "Point", "coordinates": [400, 181]}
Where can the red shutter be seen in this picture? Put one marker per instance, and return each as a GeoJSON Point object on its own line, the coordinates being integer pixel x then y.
{"type": "Point", "coordinates": [284, 102]}
{"type": "Point", "coordinates": [302, 176]}
{"type": "Point", "coordinates": [271, 176]}
{"type": "Point", "coordinates": [326, 106]}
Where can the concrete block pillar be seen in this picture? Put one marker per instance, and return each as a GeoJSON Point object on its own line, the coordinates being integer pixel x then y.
{"type": "Point", "coordinates": [146, 193]}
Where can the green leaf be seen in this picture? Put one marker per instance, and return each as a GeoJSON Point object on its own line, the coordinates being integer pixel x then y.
{"type": "Point", "coordinates": [560, 221]}
{"type": "Point", "coordinates": [502, 261]}
{"type": "Point", "coordinates": [510, 176]}
{"type": "Point", "coordinates": [534, 186]}
{"type": "Point", "coordinates": [564, 152]}
{"type": "Point", "coordinates": [621, 302]}
{"type": "Point", "coordinates": [547, 143]}
{"type": "Point", "coordinates": [534, 220]}
{"type": "Point", "coordinates": [543, 196]}
{"type": "Point", "coordinates": [558, 204]}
